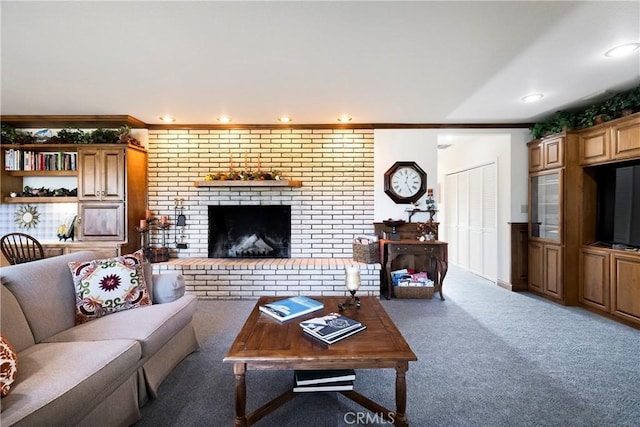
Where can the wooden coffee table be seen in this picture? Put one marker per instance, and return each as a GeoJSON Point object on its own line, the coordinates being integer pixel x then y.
{"type": "Point", "coordinates": [266, 343]}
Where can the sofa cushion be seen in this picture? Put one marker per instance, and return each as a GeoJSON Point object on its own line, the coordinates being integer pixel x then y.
{"type": "Point", "coordinates": [108, 285]}
{"type": "Point", "coordinates": [44, 290]}
{"type": "Point", "coordinates": [13, 323]}
{"type": "Point", "coordinates": [8, 366]}
{"type": "Point", "coordinates": [152, 326]}
{"type": "Point", "coordinates": [58, 380]}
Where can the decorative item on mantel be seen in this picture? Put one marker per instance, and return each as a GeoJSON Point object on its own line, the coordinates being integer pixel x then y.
{"type": "Point", "coordinates": [246, 177]}
{"type": "Point", "coordinates": [393, 223]}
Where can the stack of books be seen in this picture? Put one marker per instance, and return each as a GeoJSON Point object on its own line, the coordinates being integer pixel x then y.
{"type": "Point", "coordinates": [324, 380]}
{"type": "Point", "coordinates": [290, 308]}
{"type": "Point", "coordinates": [331, 327]}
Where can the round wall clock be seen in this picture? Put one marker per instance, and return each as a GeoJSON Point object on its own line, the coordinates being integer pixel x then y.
{"type": "Point", "coordinates": [405, 182]}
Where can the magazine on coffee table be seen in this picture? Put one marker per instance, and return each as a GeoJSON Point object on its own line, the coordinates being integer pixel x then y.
{"type": "Point", "coordinates": [329, 325]}
{"type": "Point", "coordinates": [290, 308]}
{"type": "Point", "coordinates": [320, 376]}
{"type": "Point", "coordinates": [338, 337]}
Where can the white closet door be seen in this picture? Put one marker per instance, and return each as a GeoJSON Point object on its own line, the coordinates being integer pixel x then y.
{"type": "Point", "coordinates": [471, 219]}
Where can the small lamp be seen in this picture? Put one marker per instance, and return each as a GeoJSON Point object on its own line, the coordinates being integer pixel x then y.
{"type": "Point", "coordinates": [352, 282]}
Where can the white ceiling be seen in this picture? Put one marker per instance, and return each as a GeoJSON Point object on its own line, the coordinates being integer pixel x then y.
{"type": "Point", "coordinates": [379, 62]}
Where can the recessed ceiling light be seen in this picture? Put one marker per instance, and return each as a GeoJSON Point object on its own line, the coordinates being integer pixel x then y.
{"type": "Point", "coordinates": [284, 119]}
{"type": "Point", "coordinates": [344, 118]}
{"type": "Point", "coordinates": [533, 97]}
{"type": "Point", "coordinates": [622, 50]}
{"type": "Point", "coordinates": [167, 119]}
{"type": "Point", "coordinates": [224, 119]}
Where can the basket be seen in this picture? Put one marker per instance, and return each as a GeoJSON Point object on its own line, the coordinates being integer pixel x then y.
{"type": "Point", "coordinates": [418, 292]}
{"type": "Point", "coordinates": [369, 253]}
{"type": "Point", "coordinates": [158, 254]}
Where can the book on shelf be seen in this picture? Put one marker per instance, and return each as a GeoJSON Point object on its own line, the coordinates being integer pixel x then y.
{"type": "Point", "coordinates": [329, 325]}
{"type": "Point", "coordinates": [337, 337]}
{"type": "Point", "coordinates": [334, 386]}
{"type": "Point", "coordinates": [290, 308]}
{"type": "Point", "coordinates": [320, 376]}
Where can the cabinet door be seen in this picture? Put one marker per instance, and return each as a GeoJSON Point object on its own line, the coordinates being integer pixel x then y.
{"type": "Point", "coordinates": [101, 221]}
{"type": "Point", "coordinates": [545, 205]}
{"type": "Point", "coordinates": [113, 174]}
{"type": "Point", "coordinates": [553, 153]}
{"type": "Point", "coordinates": [535, 267]}
{"type": "Point", "coordinates": [594, 279]}
{"type": "Point", "coordinates": [89, 173]}
{"type": "Point", "coordinates": [101, 174]}
{"type": "Point", "coordinates": [535, 157]}
{"type": "Point", "coordinates": [553, 268]}
{"type": "Point", "coordinates": [593, 146]}
{"type": "Point", "coordinates": [625, 286]}
{"type": "Point", "coordinates": [625, 139]}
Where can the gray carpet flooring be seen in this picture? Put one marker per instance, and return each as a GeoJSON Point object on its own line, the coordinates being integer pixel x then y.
{"type": "Point", "coordinates": [486, 357]}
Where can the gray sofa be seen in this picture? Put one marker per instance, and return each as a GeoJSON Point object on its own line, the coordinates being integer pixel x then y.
{"type": "Point", "coordinates": [97, 373]}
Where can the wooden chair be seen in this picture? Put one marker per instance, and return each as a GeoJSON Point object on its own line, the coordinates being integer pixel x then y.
{"type": "Point", "coordinates": [19, 247]}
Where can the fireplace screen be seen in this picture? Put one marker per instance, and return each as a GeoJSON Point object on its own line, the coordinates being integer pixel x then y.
{"type": "Point", "coordinates": [249, 231]}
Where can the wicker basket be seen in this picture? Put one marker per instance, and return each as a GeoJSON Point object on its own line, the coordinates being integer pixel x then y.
{"type": "Point", "coordinates": [158, 254]}
{"type": "Point", "coordinates": [367, 253]}
{"type": "Point", "coordinates": [421, 292]}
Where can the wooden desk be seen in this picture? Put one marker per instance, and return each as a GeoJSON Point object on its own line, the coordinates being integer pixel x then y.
{"type": "Point", "coordinates": [435, 252]}
{"type": "Point", "coordinates": [267, 344]}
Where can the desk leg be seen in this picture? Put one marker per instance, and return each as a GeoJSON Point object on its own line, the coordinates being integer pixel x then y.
{"type": "Point", "coordinates": [239, 370]}
{"type": "Point", "coordinates": [443, 267]}
{"type": "Point", "coordinates": [387, 274]}
{"type": "Point", "coordinates": [401, 395]}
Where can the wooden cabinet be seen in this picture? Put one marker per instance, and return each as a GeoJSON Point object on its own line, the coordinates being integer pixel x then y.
{"type": "Point", "coordinates": [101, 176]}
{"type": "Point", "coordinates": [104, 249]}
{"type": "Point", "coordinates": [546, 154]}
{"type": "Point", "coordinates": [546, 269]}
{"type": "Point", "coordinates": [112, 193]}
{"type": "Point", "coordinates": [625, 286]}
{"type": "Point", "coordinates": [553, 231]}
{"type": "Point", "coordinates": [610, 282]}
{"type": "Point", "coordinates": [594, 278]}
{"type": "Point", "coordinates": [613, 141]}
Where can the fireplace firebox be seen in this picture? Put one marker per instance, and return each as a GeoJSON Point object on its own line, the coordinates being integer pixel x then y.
{"type": "Point", "coordinates": [254, 231]}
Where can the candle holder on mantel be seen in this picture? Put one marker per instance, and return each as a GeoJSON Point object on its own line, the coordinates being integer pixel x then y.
{"type": "Point", "coordinates": [352, 281]}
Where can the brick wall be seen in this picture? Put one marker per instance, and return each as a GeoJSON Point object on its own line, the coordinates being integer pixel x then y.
{"type": "Point", "coordinates": [334, 204]}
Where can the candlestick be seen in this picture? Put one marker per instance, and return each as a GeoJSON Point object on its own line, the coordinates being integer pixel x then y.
{"type": "Point", "coordinates": [143, 223]}
{"type": "Point", "coordinates": [259, 162]}
{"type": "Point", "coordinates": [245, 160]}
{"type": "Point", "coordinates": [147, 214]}
{"type": "Point", "coordinates": [164, 219]}
{"type": "Point", "coordinates": [231, 161]}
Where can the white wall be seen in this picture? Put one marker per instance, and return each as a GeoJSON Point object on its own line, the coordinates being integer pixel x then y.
{"type": "Point", "coordinates": [474, 147]}
{"type": "Point", "coordinates": [394, 145]}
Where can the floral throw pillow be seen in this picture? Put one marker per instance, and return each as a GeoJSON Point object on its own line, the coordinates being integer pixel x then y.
{"type": "Point", "coordinates": [109, 285]}
{"type": "Point", "coordinates": [8, 365]}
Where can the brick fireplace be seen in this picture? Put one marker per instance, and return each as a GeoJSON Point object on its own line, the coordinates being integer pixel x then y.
{"type": "Point", "coordinates": [333, 205]}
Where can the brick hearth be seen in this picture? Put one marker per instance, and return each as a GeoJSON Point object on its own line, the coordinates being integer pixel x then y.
{"type": "Point", "coordinates": [218, 278]}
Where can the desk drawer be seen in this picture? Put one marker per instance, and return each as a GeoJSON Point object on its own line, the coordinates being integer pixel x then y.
{"type": "Point", "coordinates": [415, 249]}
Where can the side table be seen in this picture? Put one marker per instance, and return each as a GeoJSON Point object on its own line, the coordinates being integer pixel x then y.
{"type": "Point", "coordinates": [435, 251]}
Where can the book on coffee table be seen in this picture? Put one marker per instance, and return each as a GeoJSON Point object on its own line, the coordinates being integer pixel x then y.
{"type": "Point", "coordinates": [320, 376]}
{"type": "Point", "coordinates": [290, 308]}
{"type": "Point", "coordinates": [329, 326]}
{"type": "Point", "coordinates": [338, 337]}
{"type": "Point", "coordinates": [335, 386]}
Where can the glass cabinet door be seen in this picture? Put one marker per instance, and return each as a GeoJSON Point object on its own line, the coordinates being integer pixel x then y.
{"type": "Point", "coordinates": [546, 206]}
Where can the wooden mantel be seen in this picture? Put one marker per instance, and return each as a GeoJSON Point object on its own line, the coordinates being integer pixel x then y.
{"type": "Point", "coordinates": [248, 183]}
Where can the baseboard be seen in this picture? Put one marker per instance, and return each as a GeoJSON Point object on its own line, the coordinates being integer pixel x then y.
{"type": "Point", "coordinates": [511, 287]}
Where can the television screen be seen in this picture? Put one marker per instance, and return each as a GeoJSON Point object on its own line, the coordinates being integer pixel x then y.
{"type": "Point", "coordinates": [626, 224]}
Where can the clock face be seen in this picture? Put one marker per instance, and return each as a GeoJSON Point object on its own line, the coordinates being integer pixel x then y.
{"type": "Point", "coordinates": [405, 182]}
